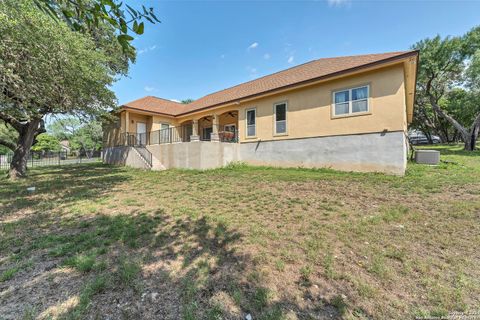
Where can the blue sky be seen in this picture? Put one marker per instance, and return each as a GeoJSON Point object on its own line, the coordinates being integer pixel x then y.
{"type": "Point", "coordinates": [202, 47]}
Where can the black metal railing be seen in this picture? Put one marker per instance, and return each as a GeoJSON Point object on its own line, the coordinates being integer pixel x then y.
{"type": "Point", "coordinates": [223, 135]}
{"type": "Point", "coordinates": [173, 135]}
{"type": "Point", "coordinates": [52, 158]}
{"type": "Point", "coordinates": [169, 135]}
{"type": "Point", "coordinates": [133, 139]}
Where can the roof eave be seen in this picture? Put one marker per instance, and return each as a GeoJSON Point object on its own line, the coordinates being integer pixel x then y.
{"type": "Point", "coordinates": [345, 72]}
{"type": "Point", "coordinates": [126, 108]}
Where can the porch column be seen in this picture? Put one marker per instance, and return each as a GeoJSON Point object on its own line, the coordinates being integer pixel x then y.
{"type": "Point", "coordinates": [214, 135]}
{"type": "Point", "coordinates": [127, 123]}
{"type": "Point", "coordinates": [195, 136]}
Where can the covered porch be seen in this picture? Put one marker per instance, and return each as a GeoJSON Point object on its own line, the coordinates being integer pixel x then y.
{"type": "Point", "coordinates": [215, 128]}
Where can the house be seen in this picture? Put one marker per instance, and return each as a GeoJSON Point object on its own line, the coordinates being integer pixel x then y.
{"type": "Point", "coordinates": [65, 146]}
{"type": "Point", "coordinates": [347, 113]}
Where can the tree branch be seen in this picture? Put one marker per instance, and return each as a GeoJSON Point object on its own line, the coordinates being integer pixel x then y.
{"type": "Point", "coordinates": [8, 144]}
{"type": "Point", "coordinates": [447, 117]}
{"type": "Point", "coordinates": [434, 102]}
{"type": "Point", "coordinates": [17, 125]}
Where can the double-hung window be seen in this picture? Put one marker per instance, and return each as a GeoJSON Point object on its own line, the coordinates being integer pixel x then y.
{"type": "Point", "coordinates": [351, 101]}
{"type": "Point", "coordinates": [280, 118]}
{"type": "Point", "coordinates": [251, 115]}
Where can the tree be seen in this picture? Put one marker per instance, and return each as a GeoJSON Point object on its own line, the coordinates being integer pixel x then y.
{"type": "Point", "coordinates": [46, 68]}
{"type": "Point", "coordinates": [88, 137]}
{"type": "Point", "coordinates": [65, 128]}
{"type": "Point", "coordinates": [187, 101]}
{"type": "Point", "coordinates": [86, 16]}
{"type": "Point", "coordinates": [447, 65]}
{"type": "Point", "coordinates": [81, 135]}
{"type": "Point", "coordinates": [46, 142]}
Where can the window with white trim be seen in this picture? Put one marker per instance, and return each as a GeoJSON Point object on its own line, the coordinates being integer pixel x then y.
{"type": "Point", "coordinates": [251, 115]}
{"type": "Point", "coordinates": [280, 117]}
{"type": "Point", "coordinates": [351, 101]}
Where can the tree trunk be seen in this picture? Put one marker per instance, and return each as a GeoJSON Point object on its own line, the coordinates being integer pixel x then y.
{"type": "Point", "coordinates": [26, 137]}
{"type": "Point", "coordinates": [466, 136]}
{"type": "Point", "coordinates": [471, 142]}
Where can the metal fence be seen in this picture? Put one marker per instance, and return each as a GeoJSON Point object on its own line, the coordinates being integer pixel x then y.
{"type": "Point", "coordinates": [172, 135]}
{"type": "Point", "coordinates": [42, 158]}
{"type": "Point", "coordinates": [169, 135]}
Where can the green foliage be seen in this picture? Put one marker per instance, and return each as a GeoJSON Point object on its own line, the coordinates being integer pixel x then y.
{"type": "Point", "coordinates": [448, 76]}
{"type": "Point", "coordinates": [46, 142]}
{"type": "Point", "coordinates": [48, 68]}
{"type": "Point", "coordinates": [8, 134]}
{"type": "Point", "coordinates": [79, 134]}
{"type": "Point", "coordinates": [64, 128]}
{"type": "Point", "coordinates": [90, 15]}
{"type": "Point", "coordinates": [89, 137]}
{"type": "Point", "coordinates": [187, 101]}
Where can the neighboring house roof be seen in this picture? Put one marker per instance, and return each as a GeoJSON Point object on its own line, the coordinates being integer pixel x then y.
{"type": "Point", "coordinates": [310, 71]}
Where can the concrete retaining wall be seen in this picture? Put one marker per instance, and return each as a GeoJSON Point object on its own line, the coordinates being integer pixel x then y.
{"type": "Point", "coordinates": [126, 156]}
{"type": "Point", "coordinates": [377, 152]}
{"type": "Point", "coordinates": [195, 154]}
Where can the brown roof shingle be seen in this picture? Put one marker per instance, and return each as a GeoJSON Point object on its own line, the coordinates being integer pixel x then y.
{"type": "Point", "coordinates": [309, 71]}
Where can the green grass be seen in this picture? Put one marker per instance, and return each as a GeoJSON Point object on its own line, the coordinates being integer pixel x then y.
{"type": "Point", "coordinates": [222, 243]}
{"type": "Point", "coordinates": [128, 272]}
{"type": "Point", "coordinates": [9, 273]}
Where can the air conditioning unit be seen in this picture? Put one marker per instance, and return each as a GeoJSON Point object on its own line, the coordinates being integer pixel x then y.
{"type": "Point", "coordinates": [427, 156]}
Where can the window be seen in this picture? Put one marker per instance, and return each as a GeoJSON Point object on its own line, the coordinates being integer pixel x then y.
{"type": "Point", "coordinates": [164, 133]}
{"type": "Point", "coordinates": [251, 122]}
{"type": "Point", "coordinates": [280, 117]}
{"type": "Point", "coordinates": [351, 101]}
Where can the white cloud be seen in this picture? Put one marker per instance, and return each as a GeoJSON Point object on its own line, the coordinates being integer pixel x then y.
{"type": "Point", "coordinates": [338, 3]}
{"type": "Point", "coordinates": [290, 59]}
{"type": "Point", "coordinates": [251, 69]}
{"type": "Point", "coordinates": [266, 56]}
{"type": "Point", "coordinates": [147, 49]}
{"type": "Point", "coordinates": [149, 89]}
{"type": "Point", "coordinates": [252, 46]}
{"type": "Point", "coordinates": [175, 100]}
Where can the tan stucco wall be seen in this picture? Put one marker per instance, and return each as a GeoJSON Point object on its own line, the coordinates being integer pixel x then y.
{"type": "Point", "coordinates": [310, 109]}
{"type": "Point", "coordinates": [158, 120]}
{"type": "Point", "coordinates": [135, 118]}
{"type": "Point", "coordinates": [112, 132]}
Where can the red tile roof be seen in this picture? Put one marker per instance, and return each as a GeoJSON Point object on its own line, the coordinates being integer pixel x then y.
{"type": "Point", "coordinates": [310, 71]}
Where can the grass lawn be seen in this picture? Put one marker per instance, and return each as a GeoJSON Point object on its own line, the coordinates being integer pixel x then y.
{"type": "Point", "coordinates": [97, 241]}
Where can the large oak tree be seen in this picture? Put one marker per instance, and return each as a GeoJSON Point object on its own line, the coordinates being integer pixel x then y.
{"type": "Point", "coordinates": [448, 86]}
{"type": "Point", "coordinates": [48, 68]}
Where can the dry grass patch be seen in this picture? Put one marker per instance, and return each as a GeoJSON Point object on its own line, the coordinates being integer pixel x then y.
{"type": "Point", "coordinates": [101, 241]}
